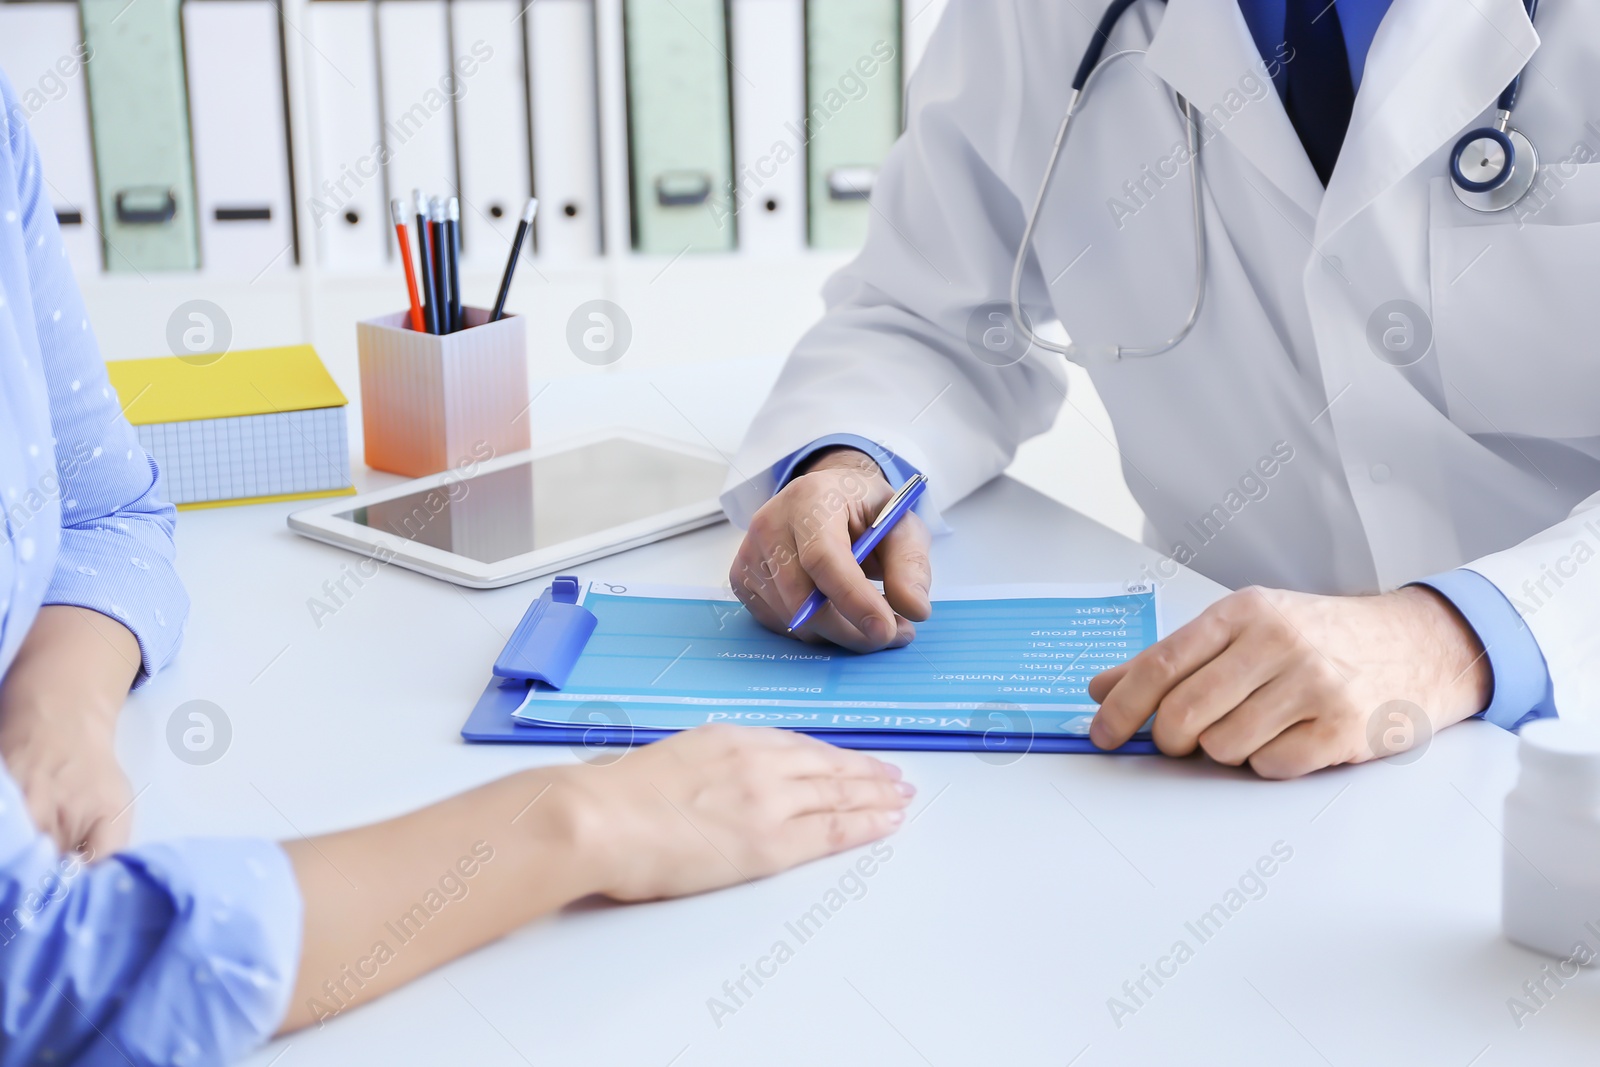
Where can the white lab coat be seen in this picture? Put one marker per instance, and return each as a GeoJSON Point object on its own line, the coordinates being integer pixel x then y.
{"type": "Point", "coordinates": [1481, 453]}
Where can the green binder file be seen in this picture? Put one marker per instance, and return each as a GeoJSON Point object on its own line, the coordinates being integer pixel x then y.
{"type": "Point", "coordinates": [852, 111]}
{"type": "Point", "coordinates": [679, 125]}
{"type": "Point", "coordinates": [139, 111]}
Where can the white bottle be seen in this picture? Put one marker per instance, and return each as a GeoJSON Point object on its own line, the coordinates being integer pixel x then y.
{"type": "Point", "coordinates": [1551, 880]}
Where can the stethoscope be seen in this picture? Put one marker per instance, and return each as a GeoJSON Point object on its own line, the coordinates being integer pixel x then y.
{"type": "Point", "coordinates": [1491, 168]}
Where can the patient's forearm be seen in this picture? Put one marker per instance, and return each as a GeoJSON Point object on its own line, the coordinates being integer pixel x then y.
{"type": "Point", "coordinates": [73, 661]}
{"type": "Point", "coordinates": [388, 902]}
{"type": "Point", "coordinates": [702, 809]}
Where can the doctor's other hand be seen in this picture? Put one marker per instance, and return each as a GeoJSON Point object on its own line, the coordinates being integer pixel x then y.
{"type": "Point", "coordinates": [800, 540]}
{"type": "Point", "coordinates": [1289, 682]}
{"type": "Point", "coordinates": [722, 804]}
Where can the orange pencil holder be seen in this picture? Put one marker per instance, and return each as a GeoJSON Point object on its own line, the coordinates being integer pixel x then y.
{"type": "Point", "coordinates": [430, 402]}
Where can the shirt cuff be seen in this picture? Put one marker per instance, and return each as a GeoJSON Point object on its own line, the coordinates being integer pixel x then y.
{"type": "Point", "coordinates": [1521, 680]}
{"type": "Point", "coordinates": [220, 983]}
{"type": "Point", "coordinates": [746, 495]}
{"type": "Point", "coordinates": [105, 569]}
{"type": "Point", "coordinates": [895, 469]}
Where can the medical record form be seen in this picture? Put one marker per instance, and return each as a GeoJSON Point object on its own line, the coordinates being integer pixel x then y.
{"type": "Point", "coordinates": [1004, 658]}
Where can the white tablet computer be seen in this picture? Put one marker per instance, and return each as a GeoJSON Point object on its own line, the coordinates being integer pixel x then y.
{"type": "Point", "coordinates": [515, 517]}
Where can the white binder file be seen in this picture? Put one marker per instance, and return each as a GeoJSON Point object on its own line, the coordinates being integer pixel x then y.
{"type": "Point", "coordinates": [769, 125]}
{"type": "Point", "coordinates": [241, 155]}
{"type": "Point", "coordinates": [345, 207]}
{"type": "Point", "coordinates": [418, 117]}
{"type": "Point", "coordinates": [566, 125]}
{"type": "Point", "coordinates": [42, 52]}
{"type": "Point", "coordinates": [492, 113]}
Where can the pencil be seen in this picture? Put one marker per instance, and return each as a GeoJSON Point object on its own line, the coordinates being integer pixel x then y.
{"type": "Point", "coordinates": [452, 252]}
{"type": "Point", "coordinates": [511, 262]}
{"type": "Point", "coordinates": [430, 307]}
{"type": "Point", "coordinates": [441, 268]}
{"type": "Point", "coordinates": [397, 213]}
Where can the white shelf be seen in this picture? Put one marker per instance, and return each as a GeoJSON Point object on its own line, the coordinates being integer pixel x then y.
{"type": "Point", "coordinates": [700, 306]}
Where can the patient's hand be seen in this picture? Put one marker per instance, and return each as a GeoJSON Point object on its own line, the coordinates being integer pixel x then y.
{"type": "Point", "coordinates": [1293, 682]}
{"type": "Point", "coordinates": [725, 804]}
{"type": "Point", "coordinates": [64, 762]}
{"type": "Point", "coordinates": [58, 718]}
{"type": "Point", "coordinates": [712, 807]}
{"type": "Point", "coordinates": [800, 540]}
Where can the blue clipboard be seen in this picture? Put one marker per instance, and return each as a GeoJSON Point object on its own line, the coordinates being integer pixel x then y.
{"type": "Point", "coordinates": [551, 637]}
{"type": "Point", "coordinates": [491, 722]}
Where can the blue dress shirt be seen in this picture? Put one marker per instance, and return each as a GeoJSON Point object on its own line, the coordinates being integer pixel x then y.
{"type": "Point", "coordinates": [1522, 689]}
{"type": "Point", "coordinates": [1358, 19]}
{"type": "Point", "coordinates": [176, 953]}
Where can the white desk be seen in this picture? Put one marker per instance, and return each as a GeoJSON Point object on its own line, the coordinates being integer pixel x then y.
{"type": "Point", "coordinates": [1018, 900]}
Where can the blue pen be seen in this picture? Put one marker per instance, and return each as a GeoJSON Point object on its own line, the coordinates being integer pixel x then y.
{"type": "Point", "coordinates": [896, 509]}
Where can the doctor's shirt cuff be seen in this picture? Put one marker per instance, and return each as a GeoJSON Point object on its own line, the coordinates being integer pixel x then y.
{"type": "Point", "coordinates": [1522, 690]}
{"type": "Point", "coordinates": [895, 469]}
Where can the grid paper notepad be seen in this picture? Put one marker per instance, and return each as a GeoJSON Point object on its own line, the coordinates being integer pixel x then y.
{"type": "Point", "coordinates": [283, 454]}
{"type": "Point", "coordinates": [258, 424]}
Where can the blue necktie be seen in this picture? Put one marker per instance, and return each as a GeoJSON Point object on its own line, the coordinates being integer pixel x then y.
{"type": "Point", "coordinates": [1318, 93]}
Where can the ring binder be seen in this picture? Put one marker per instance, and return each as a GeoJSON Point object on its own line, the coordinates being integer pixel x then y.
{"type": "Point", "coordinates": [139, 125]}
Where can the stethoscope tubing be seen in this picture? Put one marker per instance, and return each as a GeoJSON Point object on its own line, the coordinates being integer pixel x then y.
{"type": "Point", "coordinates": [1090, 68]}
{"type": "Point", "coordinates": [1192, 136]}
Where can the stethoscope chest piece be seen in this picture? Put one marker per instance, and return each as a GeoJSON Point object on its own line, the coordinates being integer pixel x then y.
{"type": "Point", "coordinates": [1493, 168]}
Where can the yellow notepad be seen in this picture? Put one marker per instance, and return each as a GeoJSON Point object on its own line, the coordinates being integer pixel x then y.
{"type": "Point", "coordinates": [256, 425]}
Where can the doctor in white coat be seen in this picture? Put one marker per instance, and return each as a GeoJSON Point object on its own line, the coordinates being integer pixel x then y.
{"type": "Point", "coordinates": [1383, 428]}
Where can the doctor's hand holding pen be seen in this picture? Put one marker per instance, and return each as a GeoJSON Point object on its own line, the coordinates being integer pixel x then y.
{"type": "Point", "coordinates": [800, 542]}
{"type": "Point", "coordinates": [1287, 682]}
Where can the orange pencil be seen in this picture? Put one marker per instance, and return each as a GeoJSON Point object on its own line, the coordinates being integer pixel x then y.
{"type": "Point", "coordinates": [398, 214]}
